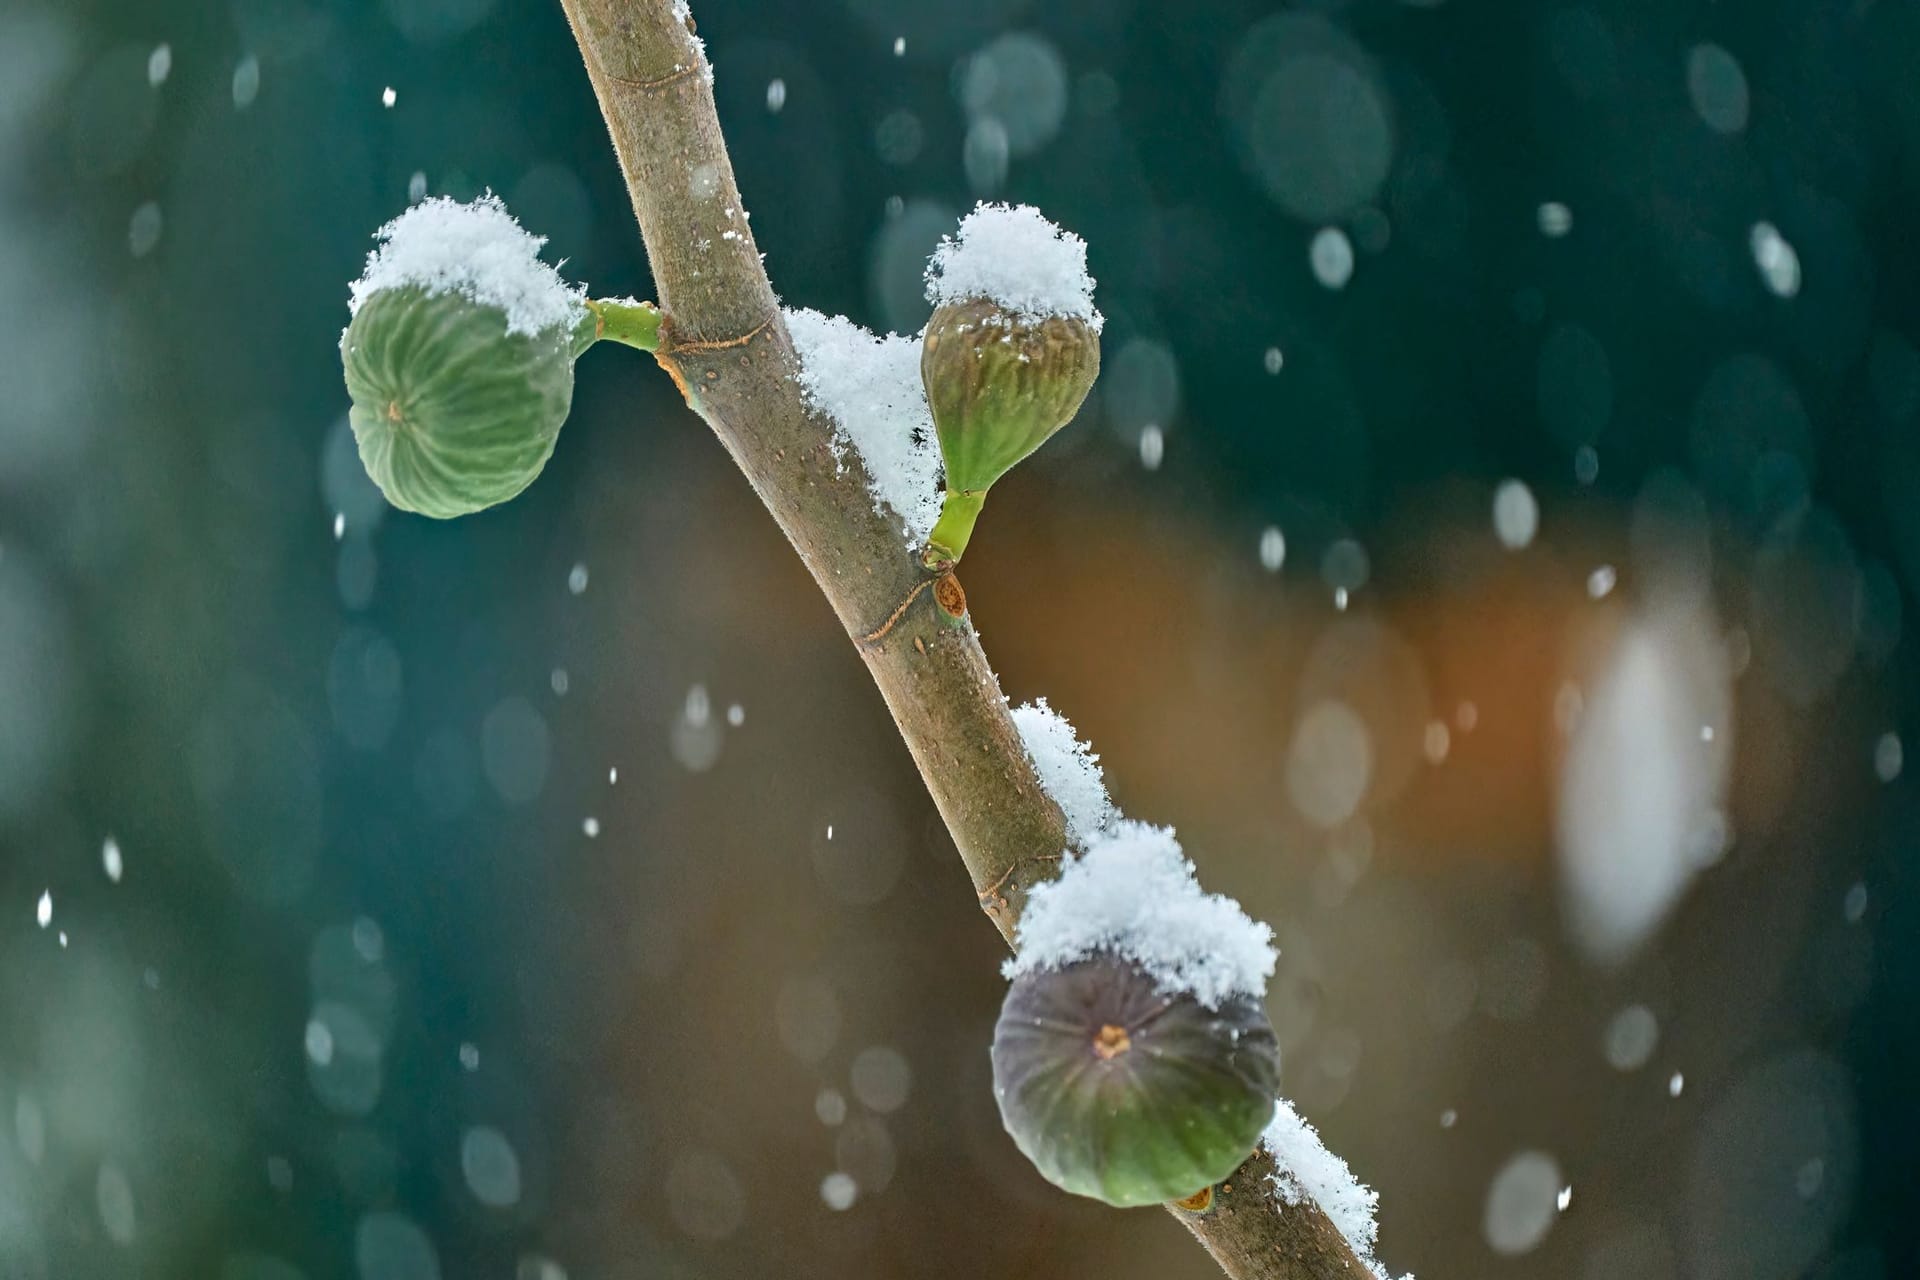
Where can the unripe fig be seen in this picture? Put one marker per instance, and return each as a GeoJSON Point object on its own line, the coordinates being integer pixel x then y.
{"type": "Point", "coordinates": [459, 359]}
{"type": "Point", "coordinates": [1118, 1091]}
{"type": "Point", "coordinates": [999, 385]}
{"type": "Point", "coordinates": [452, 412]}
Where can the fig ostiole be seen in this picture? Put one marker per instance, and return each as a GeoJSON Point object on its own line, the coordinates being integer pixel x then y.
{"type": "Point", "coordinates": [1119, 1091]}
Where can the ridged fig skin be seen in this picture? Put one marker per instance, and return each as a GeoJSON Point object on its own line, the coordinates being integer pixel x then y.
{"type": "Point", "coordinates": [452, 413]}
{"type": "Point", "coordinates": [1126, 1095]}
{"type": "Point", "coordinates": [1000, 384]}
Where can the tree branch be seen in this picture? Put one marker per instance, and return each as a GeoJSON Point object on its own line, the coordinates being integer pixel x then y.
{"type": "Point", "coordinates": [724, 342]}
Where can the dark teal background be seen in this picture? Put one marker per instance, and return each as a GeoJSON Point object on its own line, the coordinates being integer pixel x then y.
{"type": "Point", "coordinates": [319, 754]}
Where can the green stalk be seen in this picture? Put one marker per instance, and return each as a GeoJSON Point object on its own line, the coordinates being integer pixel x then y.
{"type": "Point", "coordinates": [637, 324]}
{"type": "Point", "coordinates": [948, 541]}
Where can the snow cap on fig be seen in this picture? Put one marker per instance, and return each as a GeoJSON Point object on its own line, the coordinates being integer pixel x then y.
{"type": "Point", "coordinates": [1009, 354]}
{"type": "Point", "coordinates": [459, 357]}
{"type": "Point", "coordinates": [1134, 893]}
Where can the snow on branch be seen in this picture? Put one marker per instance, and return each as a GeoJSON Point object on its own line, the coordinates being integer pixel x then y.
{"type": "Point", "coordinates": [478, 251]}
{"type": "Point", "coordinates": [1068, 769]}
{"type": "Point", "coordinates": [870, 387]}
{"type": "Point", "coordinates": [1134, 893]}
{"type": "Point", "coordinates": [1305, 1170]}
{"type": "Point", "coordinates": [1011, 254]}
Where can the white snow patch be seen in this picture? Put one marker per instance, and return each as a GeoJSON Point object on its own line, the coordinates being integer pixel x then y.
{"type": "Point", "coordinates": [1305, 1170]}
{"type": "Point", "coordinates": [1068, 769]}
{"type": "Point", "coordinates": [478, 251]}
{"type": "Point", "coordinates": [1133, 893]}
{"type": "Point", "coordinates": [1011, 254]}
{"type": "Point", "coordinates": [684, 16]}
{"type": "Point", "coordinates": [870, 387]}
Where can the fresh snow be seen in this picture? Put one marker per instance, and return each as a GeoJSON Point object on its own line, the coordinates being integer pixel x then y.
{"type": "Point", "coordinates": [1133, 893]}
{"type": "Point", "coordinates": [1068, 769]}
{"type": "Point", "coordinates": [1011, 254]}
{"type": "Point", "coordinates": [478, 251]}
{"type": "Point", "coordinates": [684, 16]}
{"type": "Point", "coordinates": [870, 387]}
{"type": "Point", "coordinates": [1305, 1169]}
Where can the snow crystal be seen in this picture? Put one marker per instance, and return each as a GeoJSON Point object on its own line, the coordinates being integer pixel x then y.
{"type": "Point", "coordinates": [1305, 1170]}
{"type": "Point", "coordinates": [870, 387]}
{"type": "Point", "coordinates": [1516, 514]}
{"type": "Point", "coordinates": [1273, 548]}
{"type": "Point", "coordinates": [1068, 769]}
{"type": "Point", "coordinates": [684, 16]}
{"type": "Point", "coordinates": [838, 1191]}
{"type": "Point", "coordinates": [1134, 893]}
{"type": "Point", "coordinates": [1889, 756]}
{"type": "Point", "coordinates": [1779, 264]}
{"type": "Point", "coordinates": [246, 82]}
{"type": "Point", "coordinates": [1331, 257]}
{"type": "Point", "coordinates": [1153, 446]}
{"type": "Point", "coordinates": [475, 250]}
{"type": "Point", "coordinates": [1010, 254]}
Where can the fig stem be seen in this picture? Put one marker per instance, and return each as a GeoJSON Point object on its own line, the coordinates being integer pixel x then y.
{"type": "Point", "coordinates": [948, 541]}
{"type": "Point", "coordinates": [636, 324]}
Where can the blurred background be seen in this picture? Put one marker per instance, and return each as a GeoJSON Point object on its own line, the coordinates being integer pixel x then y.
{"type": "Point", "coordinates": [1490, 543]}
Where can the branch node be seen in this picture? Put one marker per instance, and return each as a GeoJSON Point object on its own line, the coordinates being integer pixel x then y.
{"type": "Point", "coordinates": [657, 83]}
{"type": "Point", "coordinates": [992, 900]}
{"type": "Point", "coordinates": [948, 595]}
{"type": "Point", "coordinates": [879, 633]}
{"type": "Point", "coordinates": [1200, 1202]}
{"type": "Point", "coordinates": [718, 344]}
{"type": "Point", "coordinates": [666, 354]}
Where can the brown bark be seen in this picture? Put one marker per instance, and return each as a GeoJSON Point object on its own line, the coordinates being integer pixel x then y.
{"type": "Point", "coordinates": [724, 342]}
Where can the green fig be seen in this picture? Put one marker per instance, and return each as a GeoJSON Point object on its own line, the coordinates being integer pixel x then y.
{"type": "Point", "coordinates": [452, 412]}
{"type": "Point", "coordinates": [999, 384]}
{"type": "Point", "coordinates": [459, 358]}
{"type": "Point", "coordinates": [1118, 1091]}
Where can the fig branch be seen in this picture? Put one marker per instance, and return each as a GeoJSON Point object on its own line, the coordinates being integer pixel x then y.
{"type": "Point", "coordinates": [722, 338]}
